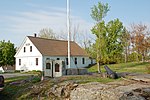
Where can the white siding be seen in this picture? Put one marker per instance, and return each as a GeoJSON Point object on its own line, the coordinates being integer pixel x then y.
{"type": "Point", "coordinates": [73, 65]}
{"type": "Point", "coordinates": [28, 59]}
{"type": "Point", "coordinates": [27, 43]}
{"type": "Point", "coordinates": [29, 63]}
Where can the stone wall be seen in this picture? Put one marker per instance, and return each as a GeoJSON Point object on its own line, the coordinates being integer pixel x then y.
{"type": "Point", "coordinates": [76, 71]}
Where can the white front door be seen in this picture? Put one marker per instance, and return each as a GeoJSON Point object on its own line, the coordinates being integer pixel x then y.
{"type": "Point", "coordinates": [54, 68]}
{"type": "Point", "coordinates": [48, 69]}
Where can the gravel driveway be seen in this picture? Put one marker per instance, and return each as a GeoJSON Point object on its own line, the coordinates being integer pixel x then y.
{"type": "Point", "coordinates": [9, 75]}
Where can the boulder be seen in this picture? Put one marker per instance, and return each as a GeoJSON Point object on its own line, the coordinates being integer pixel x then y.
{"type": "Point", "coordinates": [89, 91]}
{"type": "Point", "coordinates": [137, 94]}
{"type": "Point", "coordinates": [98, 91]}
{"type": "Point", "coordinates": [62, 91]}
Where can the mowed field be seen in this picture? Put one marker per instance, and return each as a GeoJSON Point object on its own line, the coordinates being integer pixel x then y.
{"type": "Point", "coordinates": [132, 67]}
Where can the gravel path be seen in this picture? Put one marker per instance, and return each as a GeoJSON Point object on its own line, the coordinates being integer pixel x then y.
{"type": "Point", "coordinates": [140, 77]}
{"type": "Point", "coordinates": [9, 75]}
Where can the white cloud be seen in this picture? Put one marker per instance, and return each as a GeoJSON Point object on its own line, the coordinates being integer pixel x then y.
{"type": "Point", "coordinates": [29, 22]}
{"type": "Point", "coordinates": [39, 19]}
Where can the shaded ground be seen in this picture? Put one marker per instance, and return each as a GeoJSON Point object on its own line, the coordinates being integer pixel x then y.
{"type": "Point", "coordinates": [139, 77]}
{"type": "Point", "coordinates": [10, 75]}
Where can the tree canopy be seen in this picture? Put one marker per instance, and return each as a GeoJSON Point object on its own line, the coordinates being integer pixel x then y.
{"type": "Point", "coordinates": [140, 38]}
{"type": "Point", "coordinates": [110, 43]}
{"type": "Point", "coordinates": [114, 43]}
{"type": "Point", "coordinates": [98, 12]}
{"type": "Point", "coordinates": [47, 33]}
{"type": "Point", "coordinates": [7, 52]}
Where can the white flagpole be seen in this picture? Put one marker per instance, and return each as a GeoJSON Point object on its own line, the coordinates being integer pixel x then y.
{"type": "Point", "coordinates": [68, 30]}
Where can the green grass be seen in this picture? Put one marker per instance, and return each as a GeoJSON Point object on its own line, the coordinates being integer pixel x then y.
{"type": "Point", "coordinates": [11, 91]}
{"type": "Point", "coordinates": [81, 79]}
{"type": "Point", "coordinates": [9, 80]}
{"type": "Point", "coordinates": [133, 67]}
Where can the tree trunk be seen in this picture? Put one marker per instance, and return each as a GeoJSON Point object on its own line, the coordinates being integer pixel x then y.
{"type": "Point", "coordinates": [126, 53]}
{"type": "Point", "coordinates": [125, 58]}
{"type": "Point", "coordinates": [98, 66]}
{"type": "Point", "coordinates": [142, 57]}
{"type": "Point", "coordinates": [98, 58]}
{"type": "Point", "coordinates": [42, 75]}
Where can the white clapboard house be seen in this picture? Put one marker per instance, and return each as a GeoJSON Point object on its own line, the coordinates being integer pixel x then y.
{"type": "Point", "coordinates": [37, 53]}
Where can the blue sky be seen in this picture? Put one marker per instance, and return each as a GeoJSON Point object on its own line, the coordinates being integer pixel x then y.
{"type": "Point", "coordinates": [19, 18]}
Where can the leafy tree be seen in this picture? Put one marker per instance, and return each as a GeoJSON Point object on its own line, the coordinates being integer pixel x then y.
{"type": "Point", "coordinates": [147, 44]}
{"type": "Point", "coordinates": [90, 49]}
{"type": "Point", "coordinates": [134, 56]}
{"type": "Point", "coordinates": [140, 39]}
{"type": "Point", "coordinates": [47, 33]}
{"type": "Point", "coordinates": [98, 12]}
{"type": "Point", "coordinates": [1, 54]}
{"type": "Point", "coordinates": [100, 31]}
{"type": "Point", "coordinates": [110, 41]}
{"type": "Point", "coordinates": [126, 41]}
{"type": "Point", "coordinates": [114, 43]}
{"type": "Point", "coordinates": [7, 52]}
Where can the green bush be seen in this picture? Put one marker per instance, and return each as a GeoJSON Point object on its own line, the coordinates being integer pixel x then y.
{"type": "Point", "coordinates": [36, 79]}
{"type": "Point", "coordinates": [17, 71]}
{"type": "Point", "coordinates": [148, 69]}
{"type": "Point", "coordinates": [133, 57]}
{"type": "Point", "coordinates": [35, 72]}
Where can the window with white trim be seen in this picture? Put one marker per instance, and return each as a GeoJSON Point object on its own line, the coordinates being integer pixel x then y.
{"type": "Point", "coordinates": [30, 48]}
{"type": "Point", "coordinates": [37, 61]}
{"type": "Point", "coordinates": [19, 61]}
{"type": "Point", "coordinates": [24, 49]}
{"type": "Point", "coordinates": [66, 61]}
{"type": "Point", "coordinates": [75, 60]}
{"type": "Point", "coordinates": [48, 65]}
{"type": "Point", "coordinates": [57, 67]}
{"type": "Point", "coordinates": [83, 60]}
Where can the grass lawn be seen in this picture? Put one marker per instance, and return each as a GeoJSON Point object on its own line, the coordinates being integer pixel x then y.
{"type": "Point", "coordinates": [10, 92]}
{"type": "Point", "coordinates": [136, 67]}
{"type": "Point", "coordinates": [82, 79]}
